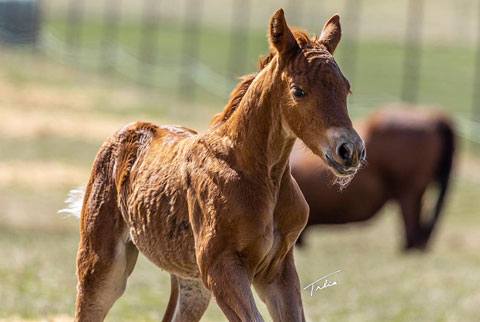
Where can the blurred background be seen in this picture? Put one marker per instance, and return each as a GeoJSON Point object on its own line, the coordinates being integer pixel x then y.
{"type": "Point", "coordinates": [74, 71]}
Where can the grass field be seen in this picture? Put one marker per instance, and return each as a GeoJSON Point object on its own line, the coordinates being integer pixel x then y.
{"type": "Point", "coordinates": [55, 117]}
{"type": "Point", "coordinates": [377, 283]}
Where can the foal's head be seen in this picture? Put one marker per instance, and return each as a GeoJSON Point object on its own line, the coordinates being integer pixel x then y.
{"type": "Point", "coordinates": [313, 93]}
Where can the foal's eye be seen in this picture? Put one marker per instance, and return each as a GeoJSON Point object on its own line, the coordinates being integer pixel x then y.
{"type": "Point", "coordinates": [298, 93]}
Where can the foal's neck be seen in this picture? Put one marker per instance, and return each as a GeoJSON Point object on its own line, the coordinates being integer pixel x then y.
{"type": "Point", "coordinates": [261, 141]}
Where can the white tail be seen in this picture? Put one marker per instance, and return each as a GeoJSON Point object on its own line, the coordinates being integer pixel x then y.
{"type": "Point", "coordinates": [74, 203]}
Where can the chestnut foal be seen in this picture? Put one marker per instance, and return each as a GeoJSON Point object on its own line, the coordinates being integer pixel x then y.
{"type": "Point", "coordinates": [219, 211]}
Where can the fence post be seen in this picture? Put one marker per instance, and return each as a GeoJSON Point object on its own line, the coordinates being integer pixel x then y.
{"type": "Point", "coordinates": [110, 34]}
{"type": "Point", "coordinates": [148, 41]}
{"type": "Point", "coordinates": [294, 12]}
{"type": "Point", "coordinates": [238, 38]}
{"type": "Point", "coordinates": [412, 58]}
{"type": "Point", "coordinates": [37, 23]}
{"type": "Point", "coordinates": [189, 50]}
{"type": "Point", "coordinates": [349, 57]}
{"type": "Point", "coordinates": [74, 28]}
{"type": "Point", "coordinates": [476, 82]}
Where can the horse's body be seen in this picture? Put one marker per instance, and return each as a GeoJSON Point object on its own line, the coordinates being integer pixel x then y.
{"type": "Point", "coordinates": [407, 152]}
{"type": "Point", "coordinates": [219, 211]}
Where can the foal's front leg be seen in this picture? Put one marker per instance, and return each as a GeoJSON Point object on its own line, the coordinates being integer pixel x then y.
{"type": "Point", "coordinates": [230, 283]}
{"type": "Point", "coordinates": [282, 294]}
{"type": "Point", "coordinates": [188, 300]}
{"type": "Point", "coordinates": [279, 286]}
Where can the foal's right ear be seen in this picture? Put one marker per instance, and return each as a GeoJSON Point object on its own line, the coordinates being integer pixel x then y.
{"type": "Point", "coordinates": [281, 37]}
{"type": "Point", "coordinates": [331, 33]}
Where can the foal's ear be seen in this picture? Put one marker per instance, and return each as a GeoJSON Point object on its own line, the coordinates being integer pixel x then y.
{"type": "Point", "coordinates": [331, 33]}
{"type": "Point", "coordinates": [281, 37]}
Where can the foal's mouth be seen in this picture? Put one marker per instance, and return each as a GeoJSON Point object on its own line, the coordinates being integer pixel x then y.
{"type": "Point", "coordinates": [340, 169]}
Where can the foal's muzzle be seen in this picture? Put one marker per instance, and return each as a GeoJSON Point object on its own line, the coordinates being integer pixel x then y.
{"type": "Point", "coordinates": [348, 153]}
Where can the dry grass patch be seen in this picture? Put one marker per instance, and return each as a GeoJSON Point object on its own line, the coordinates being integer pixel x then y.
{"type": "Point", "coordinates": [33, 123]}
{"type": "Point", "coordinates": [58, 318]}
{"type": "Point", "coordinates": [41, 175]}
{"type": "Point", "coordinates": [43, 96]}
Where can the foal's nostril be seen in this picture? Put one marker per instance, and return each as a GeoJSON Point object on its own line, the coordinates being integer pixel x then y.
{"type": "Point", "coordinates": [363, 155]}
{"type": "Point", "coordinates": [344, 152]}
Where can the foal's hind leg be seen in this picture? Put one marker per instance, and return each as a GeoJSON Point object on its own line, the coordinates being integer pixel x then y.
{"type": "Point", "coordinates": [102, 275]}
{"type": "Point", "coordinates": [189, 300]}
{"type": "Point", "coordinates": [105, 259]}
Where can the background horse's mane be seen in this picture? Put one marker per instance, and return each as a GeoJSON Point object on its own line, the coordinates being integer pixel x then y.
{"type": "Point", "coordinates": [305, 43]}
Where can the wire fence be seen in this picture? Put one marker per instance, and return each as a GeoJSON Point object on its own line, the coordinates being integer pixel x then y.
{"type": "Point", "coordinates": [140, 49]}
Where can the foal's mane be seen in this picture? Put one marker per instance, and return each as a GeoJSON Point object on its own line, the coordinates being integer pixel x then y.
{"type": "Point", "coordinates": [306, 44]}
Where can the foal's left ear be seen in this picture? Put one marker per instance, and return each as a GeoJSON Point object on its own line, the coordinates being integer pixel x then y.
{"type": "Point", "coordinates": [281, 37]}
{"type": "Point", "coordinates": [331, 33]}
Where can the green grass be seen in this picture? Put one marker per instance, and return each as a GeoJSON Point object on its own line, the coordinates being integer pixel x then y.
{"type": "Point", "coordinates": [377, 282]}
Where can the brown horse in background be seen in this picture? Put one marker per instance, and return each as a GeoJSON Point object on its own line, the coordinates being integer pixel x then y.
{"type": "Point", "coordinates": [219, 211]}
{"type": "Point", "coordinates": [407, 152]}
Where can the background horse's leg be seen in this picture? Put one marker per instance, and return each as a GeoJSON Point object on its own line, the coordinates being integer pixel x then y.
{"type": "Point", "coordinates": [411, 205]}
{"type": "Point", "coordinates": [106, 256]}
{"type": "Point", "coordinates": [188, 302]}
{"type": "Point", "coordinates": [282, 295]}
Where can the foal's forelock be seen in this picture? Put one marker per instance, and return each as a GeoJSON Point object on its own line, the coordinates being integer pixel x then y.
{"type": "Point", "coordinates": [311, 48]}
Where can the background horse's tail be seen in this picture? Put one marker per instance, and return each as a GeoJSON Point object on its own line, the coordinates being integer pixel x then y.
{"type": "Point", "coordinates": [442, 176]}
{"type": "Point", "coordinates": [74, 203]}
